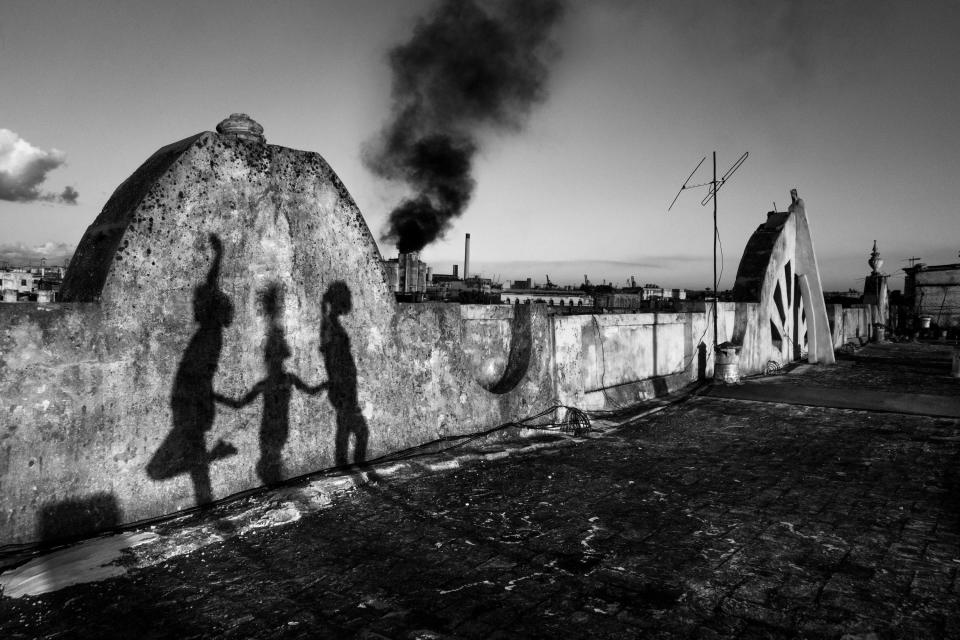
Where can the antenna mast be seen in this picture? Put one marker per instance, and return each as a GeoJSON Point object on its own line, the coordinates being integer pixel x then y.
{"type": "Point", "coordinates": [716, 294]}
{"type": "Point", "coordinates": [712, 193]}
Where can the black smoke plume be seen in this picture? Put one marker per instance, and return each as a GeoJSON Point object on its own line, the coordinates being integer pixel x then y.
{"type": "Point", "coordinates": [470, 67]}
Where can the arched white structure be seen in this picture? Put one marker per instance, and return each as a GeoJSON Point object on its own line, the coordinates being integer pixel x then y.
{"type": "Point", "coordinates": [779, 271]}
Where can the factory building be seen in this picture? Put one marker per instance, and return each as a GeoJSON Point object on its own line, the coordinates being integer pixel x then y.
{"type": "Point", "coordinates": [407, 274]}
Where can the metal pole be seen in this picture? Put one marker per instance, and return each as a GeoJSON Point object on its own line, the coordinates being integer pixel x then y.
{"type": "Point", "coordinates": [716, 294]}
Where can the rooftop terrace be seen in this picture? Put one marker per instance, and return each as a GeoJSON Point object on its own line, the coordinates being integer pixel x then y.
{"type": "Point", "coordinates": [710, 516]}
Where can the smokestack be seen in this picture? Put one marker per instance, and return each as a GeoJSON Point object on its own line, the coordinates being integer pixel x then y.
{"type": "Point", "coordinates": [466, 258]}
{"type": "Point", "coordinates": [409, 269]}
{"type": "Point", "coordinates": [456, 272]}
{"type": "Point", "coordinates": [421, 276]}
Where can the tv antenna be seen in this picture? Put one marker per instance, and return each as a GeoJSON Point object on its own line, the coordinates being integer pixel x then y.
{"type": "Point", "coordinates": [912, 260]}
{"type": "Point", "coordinates": [715, 186]}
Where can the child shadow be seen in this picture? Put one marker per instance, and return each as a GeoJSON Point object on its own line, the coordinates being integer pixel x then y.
{"type": "Point", "coordinates": [276, 389]}
{"type": "Point", "coordinates": [184, 450]}
{"type": "Point", "coordinates": [342, 373]}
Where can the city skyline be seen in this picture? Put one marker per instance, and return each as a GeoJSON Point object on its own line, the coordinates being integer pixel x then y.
{"type": "Point", "coordinates": [848, 104]}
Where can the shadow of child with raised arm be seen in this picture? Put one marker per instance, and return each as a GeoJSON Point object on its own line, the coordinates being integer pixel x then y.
{"type": "Point", "coordinates": [192, 398]}
{"type": "Point", "coordinates": [276, 389]}
{"type": "Point", "coordinates": [342, 373]}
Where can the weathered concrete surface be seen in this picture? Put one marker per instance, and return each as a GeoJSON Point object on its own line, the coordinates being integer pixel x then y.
{"type": "Point", "coordinates": [60, 402]}
{"type": "Point", "coordinates": [861, 399]}
{"type": "Point", "coordinates": [856, 323]}
{"type": "Point", "coordinates": [908, 378]}
{"type": "Point", "coordinates": [606, 361]}
{"type": "Point", "coordinates": [242, 334]}
{"type": "Point", "coordinates": [915, 368]}
{"type": "Point", "coordinates": [710, 519]}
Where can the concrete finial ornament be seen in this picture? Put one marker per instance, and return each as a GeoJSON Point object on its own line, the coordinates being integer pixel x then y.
{"type": "Point", "coordinates": [242, 126]}
{"type": "Point", "coordinates": [796, 202]}
{"type": "Point", "coordinates": [875, 260]}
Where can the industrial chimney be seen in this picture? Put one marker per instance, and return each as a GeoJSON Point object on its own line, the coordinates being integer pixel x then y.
{"type": "Point", "coordinates": [466, 258]}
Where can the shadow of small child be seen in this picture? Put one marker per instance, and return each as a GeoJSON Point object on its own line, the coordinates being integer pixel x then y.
{"type": "Point", "coordinates": [276, 389]}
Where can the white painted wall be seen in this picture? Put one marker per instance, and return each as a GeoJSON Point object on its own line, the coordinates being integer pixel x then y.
{"type": "Point", "coordinates": [603, 361]}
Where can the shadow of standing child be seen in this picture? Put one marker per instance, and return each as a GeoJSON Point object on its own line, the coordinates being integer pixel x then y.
{"type": "Point", "coordinates": [342, 374]}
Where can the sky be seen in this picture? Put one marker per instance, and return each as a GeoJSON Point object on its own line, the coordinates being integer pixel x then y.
{"type": "Point", "coordinates": [853, 103]}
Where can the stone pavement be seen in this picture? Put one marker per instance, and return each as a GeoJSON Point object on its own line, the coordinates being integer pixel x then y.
{"type": "Point", "coordinates": [902, 378]}
{"type": "Point", "coordinates": [710, 518]}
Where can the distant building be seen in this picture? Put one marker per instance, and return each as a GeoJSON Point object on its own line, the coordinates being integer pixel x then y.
{"type": "Point", "coordinates": [656, 292]}
{"type": "Point", "coordinates": [555, 297]}
{"type": "Point", "coordinates": [934, 291]}
{"type": "Point", "coordinates": [846, 298]}
{"type": "Point", "coordinates": [20, 284]}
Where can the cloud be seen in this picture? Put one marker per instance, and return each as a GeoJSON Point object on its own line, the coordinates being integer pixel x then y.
{"type": "Point", "coordinates": [55, 253]}
{"type": "Point", "coordinates": [24, 168]}
{"type": "Point", "coordinates": [69, 195]}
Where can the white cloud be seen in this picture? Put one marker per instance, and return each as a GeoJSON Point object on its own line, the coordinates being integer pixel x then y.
{"type": "Point", "coordinates": [23, 169]}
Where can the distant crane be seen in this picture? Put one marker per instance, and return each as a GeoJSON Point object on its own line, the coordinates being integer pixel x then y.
{"type": "Point", "coordinates": [549, 284]}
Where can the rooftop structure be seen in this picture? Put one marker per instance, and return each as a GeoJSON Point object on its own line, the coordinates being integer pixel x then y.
{"type": "Point", "coordinates": [933, 291]}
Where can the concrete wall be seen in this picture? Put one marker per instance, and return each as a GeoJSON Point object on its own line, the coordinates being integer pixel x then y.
{"type": "Point", "coordinates": [606, 361]}
{"type": "Point", "coordinates": [857, 323]}
{"type": "Point", "coordinates": [90, 408]}
{"type": "Point", "coordinates": [90, 435]}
